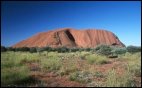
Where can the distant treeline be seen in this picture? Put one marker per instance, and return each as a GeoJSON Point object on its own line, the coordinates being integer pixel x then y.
{"type": "Point", "coordinates": [40, 49]}
{"type": "Point", "coordinates": [101, 49]}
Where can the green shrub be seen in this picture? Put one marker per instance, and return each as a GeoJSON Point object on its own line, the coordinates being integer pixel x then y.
{"type": "Point", "coordinates": [99, 74]}
{"type": "Point", "coordinates": [3, 49]}
{"type": "Point", "coordinates": [74, 49]}
{"type": "Point", "coordinates": [133, 49]}
{"type": "Point", "coordinates": [115, 80]}
{"type": "Point", "coordinates": [40, 49]}
{"type": "Point", "coordinates": [135, 57]}
{"type": "Point", "coordinates": [88, 49]}
{"type": "Point", "coordinates": [15, 59]}
{"type": "Point", "coordinates": [10, 60]}
{"type": "Point", "coordinates": [25, 49]}
{"type": "Point", "coordinates": [134, 69]}
{"type": "Point", "coordinates": [48, 48]}
{"type": "Point", "coordinates": [91, 59]}
{"type": "Point", "coordinates": [81, 49]}
{"type": "Point", "coordinates": [95, 84]}
{"type": "Point", "coordinates": [83, 54]}
{"type": "Point", "coordinates": [81, 76]}
{"type": "Point", "coordinates": [33, 50]}
{"type": "Point", "coordinates": [68, 66]}
{"type": "Point", "coordinates": [22, 49]}
{"type": "Point", "coordinates": [10, 63]}
{"type": "Point", "coordinates": [118, 50]}
{"type": "Point", "coordinates": [62, 49]}
{"type": "Point", "coordinates": [14, 76]}
{"type": "Point", "coordinates": [31, 58]}
{"type": "Point", "coordinates": [10, 49]}
{"type": "Point", "coordinates": [103, 49]}
{"type": "Point", "coordinates": [51, 64]}
{"type": "Point", "coordinates": [53, 55]}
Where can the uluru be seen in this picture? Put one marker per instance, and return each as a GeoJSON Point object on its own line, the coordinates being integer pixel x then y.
{"type": "Point", "coordinates": [69, 37]}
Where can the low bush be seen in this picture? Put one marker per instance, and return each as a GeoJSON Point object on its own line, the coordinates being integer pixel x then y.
{"type": "Point", "coordinates": [40, 49]}
{"type": "Point", "coordinates": [51, 64]}
{"type": "Point", "coordinates": [88, 49]}
{"type": "Point", "coordinates": [14, 76]}
{"type": "Point", "coordinates": [31, 58]}
{"type": "Point", "coordinates": [33, 50]}
{"type": "Point", "coordinates": [133, 49]}
{"type": "Point", "coordinates": [74, 49]}
{"type": "Point", "coordinates": [68, 66]}
{"type": "Point", "coordinates": [81, 76]}
{"type": "Point", "coordinates": [48, 48]}
{"type": "Point", "coordinates": [134, 69]}
{"type": "Point", "coordinates": [22, 49]}
{"type": "Point", "coordinates": [91, 59]}
{"type": "Point", "coordinates": [62, 49]}
{"type": "Point", "coordinates": [115, 80]}
{"type": "Point", "coordinates": [3, 49]}
{"type": "Point", "coordinates": [135, 57]}
{"type": "Point", "coordinates": [103, 49]}
{"type": "Point", "coordinates": [119, 50]}
{"type": "Point", "coordinates": [99, 74]}
{"type": "Point", "coordinates": [10, 49]}
{"type": "Point", "coordinates": [10, 59]}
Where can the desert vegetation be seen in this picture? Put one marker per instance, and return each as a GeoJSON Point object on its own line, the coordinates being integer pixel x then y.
{"type": "Point", "coordinates": [59, 67]}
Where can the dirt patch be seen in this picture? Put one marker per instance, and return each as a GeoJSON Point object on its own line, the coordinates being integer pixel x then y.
{"type": "Point", "coordinates": [113, 64]}
{"type": "Point", "coordinates": [53, 80]}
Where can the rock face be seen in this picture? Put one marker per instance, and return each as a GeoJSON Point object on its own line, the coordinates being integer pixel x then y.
{"type": "Point", "coordinates": [71, 38]}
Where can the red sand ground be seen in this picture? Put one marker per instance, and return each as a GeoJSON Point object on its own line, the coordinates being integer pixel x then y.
{"type": "Point", "coordinates": [53, 80]}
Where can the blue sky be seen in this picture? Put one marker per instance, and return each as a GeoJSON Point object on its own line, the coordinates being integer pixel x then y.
{"type": "Point", "coordinates": [21, 20]}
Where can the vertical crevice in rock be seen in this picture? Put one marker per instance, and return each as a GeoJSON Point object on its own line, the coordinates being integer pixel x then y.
{"type": "Point", "coordinates": [70, 37]}
{"type": "Point", "coordinates": [89, 37]}
{"type": "Point", "coordinates": [58, 38]}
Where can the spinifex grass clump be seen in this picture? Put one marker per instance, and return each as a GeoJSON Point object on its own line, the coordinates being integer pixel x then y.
{"type": "Point", "coordinates": [68, 66]}
{"type": "Point", "coordinates": [51, 64]}
{"type": "Point", "coordinates": [134, 63]}
{"type": "Point", "coordinates": [15, 76]}
{"type": "Point", "coordinates": [115, 80]}
{"type": "Point", "coordinates": [12, 71]}
{"type": "Point", "coordinates": [96, 59]}
{"type": "Point", "coordinates": [81, 76]}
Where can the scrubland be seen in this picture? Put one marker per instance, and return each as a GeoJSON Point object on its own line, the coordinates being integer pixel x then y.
{"type": "Point", "coordinates": [80, 68]}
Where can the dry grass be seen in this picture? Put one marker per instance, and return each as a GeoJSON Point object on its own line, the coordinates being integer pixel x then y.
{"type": "Point", "coordinates": [77, 66]}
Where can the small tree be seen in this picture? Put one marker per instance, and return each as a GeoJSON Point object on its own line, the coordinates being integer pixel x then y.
{"type": "Point", "coordinates": [25, 49]}
{"type": "Point", "coordinates": [10, 49]}
{"type": "Point", "coordinates": [54, 49]}
{"type": "Point", "coordinates": [120, 50]}
{"type": "Point", "coordinates": [116, 51]}
{"type": "Point", "coordinates": [22, 49]}
{"type": "Point", "coordinates": [47, 48]}
{"type": "Point", "coordinates": [33, 50]}
{"type": "Point", "coordinates": [40, 49]}
{"type": "Point", "coordinates": [74, 49]}
{"type": "Point", "coordinates": [3, 49]}
{"type": "Point", "coordinates": [81, 49]}
{"type": "Point", "coordinates": [103, 50]}
{"type": "Point", "coordinates": [133, 49]}
{"type": "Point", "coordinates": [62, 49]}
{"type": "Point", "coordinates": [88, 49]}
